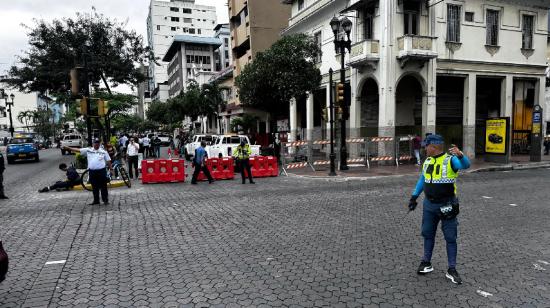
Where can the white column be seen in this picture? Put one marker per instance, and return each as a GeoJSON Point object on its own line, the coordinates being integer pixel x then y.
{"type": "Point", "coordinates": [309, 117]}
{"type": "Point", "coordinates": [293, 119]}
{"type": "Point", "coordinates": [429, 109]}
{"type": "Point", "coordinates": [386, 119]}
{"type": "Point", "coordinates": [507, 104]}
{"type": "Point", "coordinates": [355, 108]}
{"type": "Point", "coordinates": [469, 122]}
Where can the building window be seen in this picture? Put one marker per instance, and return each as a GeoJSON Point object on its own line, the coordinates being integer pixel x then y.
{"type": "Point", "coordinates": [191, 30]}
{"type": "Point", "coordinates": [174, 9]}
{"type": "Point", "coordinates": [300, 4]}
{"type": "Point", "coordinates": [368, 24]}
{"type": "Point", "coordinates": [226, 42]}
{"type": "Point", "coordinates": [188, 20]}
{"type": "Point", "coordinates": [186, 11]}
{"type": "Point", "coordinates": [227, 54]}
{"type": "Point", "coordinates": [173, 28]}
{"type": "Point", "coordinates": [492, 27]}
{"type": "Point", "coordinates": [469, 16]}
{"type": "Point", "coordinates": [453, 23]}
{"type": "Point", "coordinates": [317, 38]}
{"type": "Point", "coordinates": [411, 11]}
{"type": "Point", "coordinates": [527, 32]}
{"type": "Point", "coordinates": [158, 28]}
{"type": "Point", "coordinates": [174, 18]}
{"type": "Point", "coordinates": [199, 31]}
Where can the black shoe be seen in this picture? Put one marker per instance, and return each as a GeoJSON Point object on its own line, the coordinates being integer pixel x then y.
{"type": "Point", "coordinates": [106, 203]}
{"type": "Point", "coordinates": [43, 190]}
{"type": "Point", "coordinates": [424, 268]}
{"type": "Point", "coordinates": [194, 183]}
{"type": "Point", "coordinates": [453, 276]}
{"type": "Point", "coordinates": [3, 197]}
{"type": "Point", "coordinates": [210, 182]}
{"type": "Point", "coordinates": [244, 182]}
{"type": "Point", "coordinates": [94, 203]}
{"type": "Point", "coordinates": [252, 182]}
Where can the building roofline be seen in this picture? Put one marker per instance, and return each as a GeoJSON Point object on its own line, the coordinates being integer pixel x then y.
{"type": "Point", "coordinates": [188, 39]}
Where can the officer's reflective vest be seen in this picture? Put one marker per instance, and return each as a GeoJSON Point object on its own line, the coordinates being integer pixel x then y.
{"type": "Point", "coordinates": [242, 152]}
{"type": "Point", "coordinates": [439, 178]}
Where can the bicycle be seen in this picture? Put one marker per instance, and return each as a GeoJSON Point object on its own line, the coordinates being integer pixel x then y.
{"type": "Point", "coordinates": [118, 167]}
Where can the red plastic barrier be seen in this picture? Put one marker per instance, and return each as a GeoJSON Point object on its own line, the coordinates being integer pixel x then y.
{"type": "Point", "coordinates": [162, 171]}
{"type": "Point", "coordinates": [227, 168]}
{"type": "Point", "coordinates": [272, 166]}
{"type": "Point", "coordinates": [220, 169]}
{"type": "Point", "coordinates": [260, 167]}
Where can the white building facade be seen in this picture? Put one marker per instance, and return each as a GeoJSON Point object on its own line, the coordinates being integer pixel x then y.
{"type": "Point", "coordinates": [419, 66]}
{"type": "Point", "coordinates": [223, 55]}
{"type": "Point", "coordinates": [166, 20]}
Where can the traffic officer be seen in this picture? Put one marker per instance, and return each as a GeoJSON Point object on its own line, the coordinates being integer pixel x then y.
{"type": "Point", "coordinates": [98, 160]}
{"type": "Point", "coordinates": [242, 155]}
{"type": "Point", "coordinates": [2, 168]}
{"type": "Point", "coordinates": [438, 181]}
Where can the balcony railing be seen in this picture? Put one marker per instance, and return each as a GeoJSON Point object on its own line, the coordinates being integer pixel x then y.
{"type": "Point", "coordinates": [364, 52]}
{"type": "Point", "coordinates": [417, 47]}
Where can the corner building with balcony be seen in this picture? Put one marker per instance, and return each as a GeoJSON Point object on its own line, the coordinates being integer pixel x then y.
{"type": "Point", "coordinates": [419, 66]}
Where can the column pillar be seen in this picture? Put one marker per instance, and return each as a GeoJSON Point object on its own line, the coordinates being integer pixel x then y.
{"type": "Point", "coordinates": [429, 109]}
{"type": "Point", "coordinates": [386, 118]}
{"type": "Point", "coordinates": [293, 119]}
{"type": "Point", "coordinates": [540, 99]}
{"type": "Point", "coordinates": [309, 116]}
{"type": "Point", "coordinates": [507, 105]}
{"type": "Point", "coordinates": [469, 122]}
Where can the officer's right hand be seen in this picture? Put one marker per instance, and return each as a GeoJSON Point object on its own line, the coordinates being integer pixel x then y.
{"type": "Point", "coordinates": [412, 204]}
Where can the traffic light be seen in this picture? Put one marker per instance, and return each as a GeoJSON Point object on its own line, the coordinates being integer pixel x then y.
{"type": "Point", "coordinates": [102, 108]}
{"type": "Point", "coordinates": [83, 106]}
{"type": "Point", "coordinates": [324, 114]}
{"type": "Point", "coordinates": [340, 94]}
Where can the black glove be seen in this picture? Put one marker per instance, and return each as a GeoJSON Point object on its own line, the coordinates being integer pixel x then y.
{"type": "Point", "coordinates": [412, 203]}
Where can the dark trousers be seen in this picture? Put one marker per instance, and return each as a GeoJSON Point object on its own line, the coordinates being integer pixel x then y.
{"type": "Point", "coordinates": [245, 164]}
{"type": "Point", "coordinates": [2, 183]}
{"type": "Point", "coordinates": [146, 151]}
{"type": "Point", "coordinates": [98, 179]}
{"type": "Point", "coordinates": [133, 161]}
{"type": "Point", "coordinates": [63, 185]}
{"type": "Point", "coordinates": [198, 169]}
{"type": "Point", "coordinates": [430, 220]}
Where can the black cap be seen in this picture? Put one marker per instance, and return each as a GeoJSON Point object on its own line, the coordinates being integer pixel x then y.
{"type": "Point", "coordinates": [96, 140]}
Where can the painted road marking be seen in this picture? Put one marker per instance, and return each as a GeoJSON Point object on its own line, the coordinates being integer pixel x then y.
{"type": "Point", "coordinates": [507, 171]}
{"type": "Point", "coordinates": [486, 197]}
{"type": "Point", "coordinates": [56, 262]}
{"type": "Point", "coordinates": [483, 293]}
{"type": "Point", "coordinates": [513, 204]}
{"type": "Point", "coordinates": [538, 267]}
{"type": "Point", "coordinates": [543, 262]}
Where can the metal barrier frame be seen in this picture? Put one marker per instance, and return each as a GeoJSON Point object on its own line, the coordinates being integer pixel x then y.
{"type": "Point", "coordinates": [298, 145]}
{"type": "Point", "coordinates": [375, 140]}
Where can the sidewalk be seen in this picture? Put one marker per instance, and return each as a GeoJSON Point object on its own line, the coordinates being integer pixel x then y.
{"type": "Point", "coordinates": [362, 172]}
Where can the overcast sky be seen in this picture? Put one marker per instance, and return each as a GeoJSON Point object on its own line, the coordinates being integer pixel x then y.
{"type": "Point", "coordinates": [13, 37]}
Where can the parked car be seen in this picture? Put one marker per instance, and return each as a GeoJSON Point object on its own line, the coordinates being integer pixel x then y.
{"type": "Point", "coordinates": [196, 142]}
{"type": "Point", "coordinates": [71, 140]}
{"type": "Point", "coordinates": [164, 139]}
{"type": "Point", "coordinates": [22, 149]}
{"type": "Point", "coordinates": [224, 146]}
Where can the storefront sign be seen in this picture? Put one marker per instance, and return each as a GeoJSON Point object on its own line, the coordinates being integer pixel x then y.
{"type": "Point", "coordinates": [495, 135]}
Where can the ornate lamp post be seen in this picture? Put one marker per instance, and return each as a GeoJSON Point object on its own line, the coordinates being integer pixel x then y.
{"type": "Point", "coordinates": [341, 43]}
{"type": "Point", "coordinates": [9, 104]}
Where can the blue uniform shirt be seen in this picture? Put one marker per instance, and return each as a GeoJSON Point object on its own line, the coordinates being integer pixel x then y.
{"type": "Point", "coordinates": [200, 154]}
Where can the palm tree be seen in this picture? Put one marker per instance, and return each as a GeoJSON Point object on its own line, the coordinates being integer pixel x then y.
{"type": "Point", "coordinates": [25, 117]}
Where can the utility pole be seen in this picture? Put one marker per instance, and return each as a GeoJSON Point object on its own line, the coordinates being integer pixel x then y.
{"type": "Point", "coordinates": [331, 115]}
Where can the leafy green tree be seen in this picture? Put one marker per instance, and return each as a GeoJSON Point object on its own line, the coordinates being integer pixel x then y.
{"type": "Point", "coordinates": [246, 123]}
{"type": "Point", "coordinates": [25, 117]}
{"type": "Point", "coordinates": [42, 122]}
{"type": "Point", "coordinates": [286, 70]}
{"type": "Point", "coordinates": [55, 48]}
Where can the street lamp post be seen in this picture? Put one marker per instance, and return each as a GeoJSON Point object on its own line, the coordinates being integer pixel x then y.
{"type": "Point", "coordinates": [9, 104]}
{"type": "Point", "coordinates": [342, 43]}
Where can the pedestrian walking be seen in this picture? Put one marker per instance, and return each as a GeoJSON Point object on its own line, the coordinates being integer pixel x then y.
{"type": "Point", "coordinates": [199, 163]}
{"type": "Point", "coordinates": [98, 160]}
{"type": "Point", "coordinates": [156, 146]}
{"type": "Point", "coordinates": [242, 154]}
{"type": "Point", "coordinates": [146, 146]}
{"type": "Point", "coordinates": [438, 182]}
{"type": "Point", "coordinates": [2, 168]}
{"type": "Point", "coordinates": [132, 153]}
{"type": "Point", "coordinates": [122, 143]}
{"type": "Point", "coordinates": [73, 179]}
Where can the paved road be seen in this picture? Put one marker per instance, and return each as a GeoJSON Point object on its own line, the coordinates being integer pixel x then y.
{"type": "Point", "coordinates": [282, 242]}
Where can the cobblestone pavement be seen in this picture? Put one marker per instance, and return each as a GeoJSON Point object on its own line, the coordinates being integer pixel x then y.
{"type": "Point", "coordinates": [281, 242]}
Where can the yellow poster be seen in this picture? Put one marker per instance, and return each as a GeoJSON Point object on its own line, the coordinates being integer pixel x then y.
{"type": "Point", "coordinates": [495, 136]}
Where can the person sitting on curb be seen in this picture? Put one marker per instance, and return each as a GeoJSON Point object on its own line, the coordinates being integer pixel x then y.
{"type": "Point", "coordinates": [73, 179]}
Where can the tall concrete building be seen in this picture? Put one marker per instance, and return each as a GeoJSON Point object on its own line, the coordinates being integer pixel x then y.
{"type": "Point", "coordinates": [166, 20]}
{"type": "Point", "coordinates": [223, 55]}
{"type": "Point", "coordinates": [255, 26]}
{"type": "Point", "coordinates": [419, 66]}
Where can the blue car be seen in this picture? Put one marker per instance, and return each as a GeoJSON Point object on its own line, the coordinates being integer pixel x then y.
{"type": "Point", "coordinates": [22, 149]}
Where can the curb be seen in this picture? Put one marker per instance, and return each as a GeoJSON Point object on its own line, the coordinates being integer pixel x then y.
{"type": "Point", "coordinates": [512, 167]}
{"type": "Point", "coordinates": [112, 184]}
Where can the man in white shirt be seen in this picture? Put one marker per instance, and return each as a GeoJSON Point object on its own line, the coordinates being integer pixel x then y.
{"type": "Point", "coordinates": [98, 160]}
{"type": "Point", "coordinates": [146, 146]}
{"type": "Point", "coordinates": [132, 152]}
